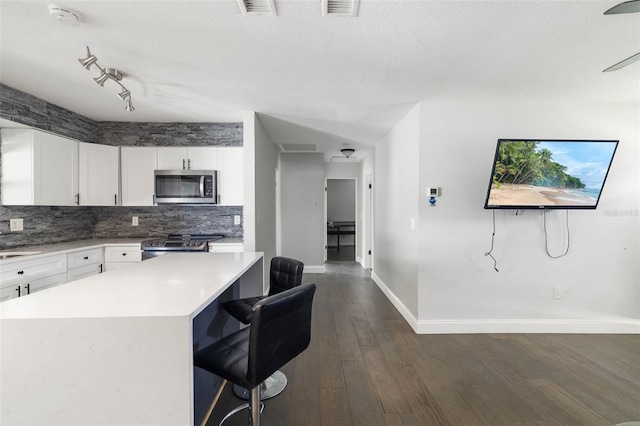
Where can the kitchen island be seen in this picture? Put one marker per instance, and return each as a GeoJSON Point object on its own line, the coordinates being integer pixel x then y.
{"type": "Point", "coordinates": [117, 348]}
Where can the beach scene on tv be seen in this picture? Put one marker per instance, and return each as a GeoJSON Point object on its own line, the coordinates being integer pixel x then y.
{"type": "Point", "coordinates": [549, 173]}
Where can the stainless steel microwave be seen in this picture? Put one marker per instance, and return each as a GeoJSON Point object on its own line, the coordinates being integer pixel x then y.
{"type": "Point", "coordinates": [186, 187]}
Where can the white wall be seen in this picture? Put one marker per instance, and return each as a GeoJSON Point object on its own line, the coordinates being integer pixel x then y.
{"type": "Point", "coordinates": [438, 275]}
{"type": "Point", "coordinates": [459, 291]}
{"type": "Point", "coordinates": [302, 216]}
{"type": "Point", "coordinates": [395, 257]}
{"type": "Point", "coordinates": [266, 155]}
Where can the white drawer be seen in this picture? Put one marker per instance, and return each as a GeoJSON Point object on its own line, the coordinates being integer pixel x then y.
{"type": "Point", "coordinates": [226, 248]}
{"type": "Point", "coordinates": [26, 270]}
{"type": "Point", "coordinates": [84, 258]}
{"type": "Point", "coordinates": [122, 254]}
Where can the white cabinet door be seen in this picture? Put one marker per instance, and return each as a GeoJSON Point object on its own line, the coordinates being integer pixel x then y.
{"type": "Point", "coordinates": [188, 158]}
{"type": "Point", "coordinates": [43, 284]}
{"type": "Point", "coordinates": [138, 183]}
{"type": "Point", "coordinates": [203, 158]}
{"type": "Point", "coordinates": [172, 158]}
{"type": "Point", "coordinates": [38, 168]}
{"type": "Point", "coordinates": [9, 292]}
{"type": "Point", "coordinates": [99, 174]}
{"type": "Point", "coordinates": [231, 176]}
{"type": "Point", "coordinates": [84, 271]}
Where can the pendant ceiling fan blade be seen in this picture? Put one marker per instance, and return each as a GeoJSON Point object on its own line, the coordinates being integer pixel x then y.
{"type": "Point", "coordinates": [621, 64]}
{"type": "Point", "coordinates": [632, 6]}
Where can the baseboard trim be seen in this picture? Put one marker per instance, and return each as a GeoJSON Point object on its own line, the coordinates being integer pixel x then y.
{"type": "Point", "coordinates": [477, 326]}
{"type": "Point", "coordinates": [314, 269]}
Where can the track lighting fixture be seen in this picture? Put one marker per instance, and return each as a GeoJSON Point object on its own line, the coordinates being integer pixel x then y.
{"type": "Point", "coordinates": [108, 74]}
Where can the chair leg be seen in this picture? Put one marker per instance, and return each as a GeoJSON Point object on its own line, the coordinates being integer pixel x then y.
{"type": "Point", "coordinates": [272, 386]}
{"type": "Point", "coordinates": [255, 405]}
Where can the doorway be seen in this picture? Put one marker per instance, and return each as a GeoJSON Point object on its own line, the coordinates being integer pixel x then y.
{"type": "Point", "coordinates": [341, 220]}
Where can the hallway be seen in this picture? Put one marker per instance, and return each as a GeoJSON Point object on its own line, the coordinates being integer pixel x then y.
{"type": "Point", "coordinates": [365, 366]}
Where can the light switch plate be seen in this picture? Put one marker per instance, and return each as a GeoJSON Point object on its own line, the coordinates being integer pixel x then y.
{"type": "Point", "coordinates": [236, 219]}
{"type": "Point", "coordinates": [16, 225]}
{"type": "Point", "coordinates": [134, 221]}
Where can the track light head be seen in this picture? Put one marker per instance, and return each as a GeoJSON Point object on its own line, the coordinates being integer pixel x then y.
{"type": "Point", "coordinates": [128, 105]}
{"type": "Point", "coordinates": [124, 94]}
{"type": "Point", "coordinates": [89, 60]}
{"type": "Point", "coordinates": [100, 80]}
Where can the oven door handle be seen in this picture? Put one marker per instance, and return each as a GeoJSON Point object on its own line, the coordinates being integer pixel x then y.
{"type": "Point", "coordinates": [202, 186]}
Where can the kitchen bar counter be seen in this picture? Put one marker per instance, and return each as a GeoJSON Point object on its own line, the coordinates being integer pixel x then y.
{"type": "Point", "coordinates": [115, 348]}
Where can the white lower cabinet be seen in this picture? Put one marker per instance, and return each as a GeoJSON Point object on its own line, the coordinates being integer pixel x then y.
{"type": "Point", "coordinates": [116, 257]}
{"type": "Point", "coordinates": [85, 263]}
{"type": "Point", "coordinates": [29, 276]}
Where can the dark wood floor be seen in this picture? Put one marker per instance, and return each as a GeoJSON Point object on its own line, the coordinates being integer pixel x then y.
{"type": "Point", "coordinates": [365, 366]}
{"type": "Point", "coordinates": [345, 254]}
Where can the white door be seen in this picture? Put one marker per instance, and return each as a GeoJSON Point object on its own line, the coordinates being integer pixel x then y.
{"type": "Point", "coordinates": [203, 158]}
{"type": "Point", "coordinates": [9, 292]}
{"type": "Point", "coordinates": [99, 174]}
{"type": "Point", "coordinates": [43, 283]}
{"type": "Point", "coordinates": [55, 170]}
{"type": "Point", "coordinates": [172, 158]}
{"type": "Point", "coordinates": [231, 176]}
{"type": "Point", "coordinates": [138, 183]}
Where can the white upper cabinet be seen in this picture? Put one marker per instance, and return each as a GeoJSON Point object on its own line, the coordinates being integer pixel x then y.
{"type": "Point", "coordinates": [38, 168]}
{"type": "Point", "coordinates": [231, 176]}
{"type": "Point", "coordinates": [138, 164]}
{"type": "Point", "coordinates": [188, 158]}
{"type": "Point", "coordinates": [99, 174]}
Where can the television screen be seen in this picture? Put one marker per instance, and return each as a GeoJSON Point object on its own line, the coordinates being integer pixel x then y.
{"type": "Point", "coordinates": [549, 174]}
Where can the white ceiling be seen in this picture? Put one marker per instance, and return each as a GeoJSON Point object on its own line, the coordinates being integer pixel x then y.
{"type": "Point", "coordinates": [312, 79]}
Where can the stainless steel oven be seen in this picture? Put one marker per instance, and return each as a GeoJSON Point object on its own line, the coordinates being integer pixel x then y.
{"type": "Point", "coordinates": [186, 187]}
{"type": "Point", "coordinates": [176, 243]}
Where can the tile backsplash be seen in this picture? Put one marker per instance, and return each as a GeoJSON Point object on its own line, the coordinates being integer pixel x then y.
{"type": "Point", "coordinates": [49, 224]}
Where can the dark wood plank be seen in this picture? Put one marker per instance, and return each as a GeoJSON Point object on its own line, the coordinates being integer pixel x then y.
{"type": "Point", "coordinates": [366, 366]}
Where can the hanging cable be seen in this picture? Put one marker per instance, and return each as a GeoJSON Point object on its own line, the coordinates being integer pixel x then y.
{"type": "Point", "coordinates": [493, 237]}
{"type": "Point", "coordinates": [546, 244]}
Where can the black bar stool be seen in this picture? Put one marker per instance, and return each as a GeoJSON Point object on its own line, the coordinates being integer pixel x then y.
{"type": "Point", "coordinates": [280, 330]}
{"type": "Point", "coordinates": [284, 273]}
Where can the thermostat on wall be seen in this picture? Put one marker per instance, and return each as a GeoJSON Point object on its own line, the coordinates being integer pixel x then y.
{"type": "Point", "coordinates": [433, 191]}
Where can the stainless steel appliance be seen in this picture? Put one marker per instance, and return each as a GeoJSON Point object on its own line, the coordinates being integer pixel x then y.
{"type": "Point", "coordinates": [175, 243]}
{"type": "Point", "coordinates": [186, 186]}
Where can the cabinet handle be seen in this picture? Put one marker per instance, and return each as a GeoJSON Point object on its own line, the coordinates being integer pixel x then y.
{"type": "Point", "coordinates": [86, 258]}
{"type": "Point", "coordinates": [78, 199]}
{"type": "Point", "coordinates": [124, 254]}
{"type": "Point", "coordinates": [28, 288]}
{"type": "Point", "coordinates": [115, 199]}
{"type": "Point", "coordinates": [183, 164]}
{"type": "Point", "coordinates": [20, 272]}
{"type": "Point", "coordinates": [100, 269]}
{"type": "Point", "coordinates": [19, 292]}
{"type": "Point", "coordinates": [189, 164]}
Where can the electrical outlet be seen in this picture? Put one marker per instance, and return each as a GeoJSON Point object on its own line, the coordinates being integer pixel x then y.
{"type": "Point", "coordinates": [236, 219]}
{"type": "Point", "coordinates": [134, 221]}
{"type": "Point", "coordinates": [16, 225]}
{"type": "Point", "coordinates": [557, 292]}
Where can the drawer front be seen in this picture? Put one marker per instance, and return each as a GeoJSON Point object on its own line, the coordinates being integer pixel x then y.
{"type": "Point", "coordinates": [20, 272]}
{"type": "Point", "coordinates": [226, 248]}
{"type": "Point", "coordinates": [122, 254]}
{"type": "Point", "coordinates": [85, 257]}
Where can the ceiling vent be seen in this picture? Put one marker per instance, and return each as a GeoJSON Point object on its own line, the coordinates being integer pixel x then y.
{"type": "Point", "coordinates": [258, 7]}
{"type": "Point", "coordinates": [340, 7]}
{"type": "Point", "coordinates": [297, 147]}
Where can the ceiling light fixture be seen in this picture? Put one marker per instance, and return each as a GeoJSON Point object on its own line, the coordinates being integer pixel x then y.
{"type": "Point", "coordinates": [108, 74]}
{"type": "Point", "coordinates": [64, 15]}
{"type": "Point", "coordinates": [347, 152]}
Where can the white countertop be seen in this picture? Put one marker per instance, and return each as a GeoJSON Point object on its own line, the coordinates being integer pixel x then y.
{"type": "Point", "coordinates": [175, 284]}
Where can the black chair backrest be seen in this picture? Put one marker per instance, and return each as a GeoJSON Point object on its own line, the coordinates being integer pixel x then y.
{"type": "Point", "coordinates": [280, 330]}
{"type": "Point", "coordinates": [285, 273]}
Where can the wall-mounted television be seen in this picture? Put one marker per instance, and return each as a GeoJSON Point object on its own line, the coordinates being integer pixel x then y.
{"type": "Point", "coordinates": [549, 174]}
